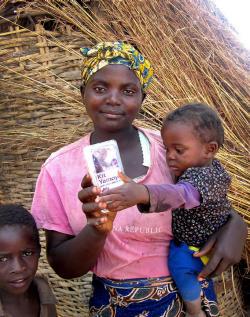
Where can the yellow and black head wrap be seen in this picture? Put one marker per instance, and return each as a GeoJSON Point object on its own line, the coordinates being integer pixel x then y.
{"type": "Point", "coordinates": [106, 53]}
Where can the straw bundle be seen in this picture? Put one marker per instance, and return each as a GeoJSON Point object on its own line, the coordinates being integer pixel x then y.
{"type": "Point", "coordinates": [193, 50]}
{"type": "Point", "coordinates": [195, 56]}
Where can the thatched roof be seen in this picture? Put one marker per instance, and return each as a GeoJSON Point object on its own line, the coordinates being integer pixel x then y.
{"type": "Point", "coordinates": [195, 54]}
{"type": "Point", "coordinates": [193, 49]}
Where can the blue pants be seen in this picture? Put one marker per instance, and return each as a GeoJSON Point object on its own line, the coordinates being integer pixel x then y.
{"type": "Point", "coordinates": [184, 269]}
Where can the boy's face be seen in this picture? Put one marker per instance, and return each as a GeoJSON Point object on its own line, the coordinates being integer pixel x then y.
{"type": "Point", "coordinates": [183, 148]}
{"type": "Point", "coordinates": [19, 256]}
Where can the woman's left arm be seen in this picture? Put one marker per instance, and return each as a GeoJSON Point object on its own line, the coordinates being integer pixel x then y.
{"type": "Point", "coordinates": [224, 247]}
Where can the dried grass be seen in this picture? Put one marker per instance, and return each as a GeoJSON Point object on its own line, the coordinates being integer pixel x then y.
{"type": "Point", "coordinates": [196, 57]}
{"type": "Point", "coordinates": [194, 52]}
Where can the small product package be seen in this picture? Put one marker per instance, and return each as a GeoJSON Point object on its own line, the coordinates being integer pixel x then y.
{"type": "Point", "coordinates": [104, 161]}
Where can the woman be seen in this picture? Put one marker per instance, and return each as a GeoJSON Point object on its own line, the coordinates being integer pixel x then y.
{"type": "Point", "coordinates": [126, 251]}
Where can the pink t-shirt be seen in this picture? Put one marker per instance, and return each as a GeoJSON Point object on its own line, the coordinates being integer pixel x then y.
{"type": "Point", "coordinates": [138, 245]}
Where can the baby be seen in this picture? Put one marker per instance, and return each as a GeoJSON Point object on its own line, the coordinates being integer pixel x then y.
{"type": "Point", "coordinates": [21, 292]}
{"type": "Point", "coordinates": [192, 135]}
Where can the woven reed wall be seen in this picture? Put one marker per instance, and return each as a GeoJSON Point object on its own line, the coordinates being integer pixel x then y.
{"type": "Point", "coordinates": [47, 113]}
{"type": "Point", "coordinates": [21, 156]}
{"type": "Point", "coordinates": [20, 160]}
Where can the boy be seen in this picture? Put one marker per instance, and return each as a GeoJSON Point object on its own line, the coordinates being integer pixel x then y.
{"type": "Point", "coordinates": [21, 292]}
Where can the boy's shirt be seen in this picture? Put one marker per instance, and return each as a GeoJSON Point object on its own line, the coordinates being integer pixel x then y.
{"type": "Point", "coordinates": [194, 226]}
{"type": "Point", "coordinates": [46, 297]}
{"type": "Point", "coordinates": [202, 206]}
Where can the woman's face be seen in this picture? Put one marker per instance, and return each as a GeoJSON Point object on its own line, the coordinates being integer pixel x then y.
{"type": "Point", "coordinates": [113, 97]}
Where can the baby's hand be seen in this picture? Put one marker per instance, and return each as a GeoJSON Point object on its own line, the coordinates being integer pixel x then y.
{"type": "Point", "coordinates": [124, 196]}
{"type": "Point", "coordinates": [87, 195]}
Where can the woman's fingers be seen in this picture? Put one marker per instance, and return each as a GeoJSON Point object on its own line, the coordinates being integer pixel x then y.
{"type": "Point", "coordinates": [95, 217]}
{"type": "Point", "coordinates": [214, 267]}
{"type": "Point", "coordinates": [88, 194]}
{"type": "Point", "coordinates": [86, 181]}
{"type": "Point", "coordinates": [224, 247]}
{"type": "Point", "coordinates": [207, 248]}
{"type": "Point", "coordinates": [91, 208]}
{"type": "Point", "coordinates": [97, 221]}
{"type": "Point", "coordinates": [217, 263]}
{"type": "Point", "coordinates": [210, 268]}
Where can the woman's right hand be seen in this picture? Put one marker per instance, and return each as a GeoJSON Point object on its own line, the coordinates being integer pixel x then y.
{"type": "Point", "coordinates": [103, 222]}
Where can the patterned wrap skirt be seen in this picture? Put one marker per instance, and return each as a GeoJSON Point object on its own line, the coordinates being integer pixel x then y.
{"type": "Point", "coordinates": [152, 297]}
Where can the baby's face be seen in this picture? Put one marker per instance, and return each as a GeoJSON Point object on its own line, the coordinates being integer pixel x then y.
{"type": "Point", "coordinates": [184, 148]}
{"type": "Point", "coordinates": [19, 256]}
